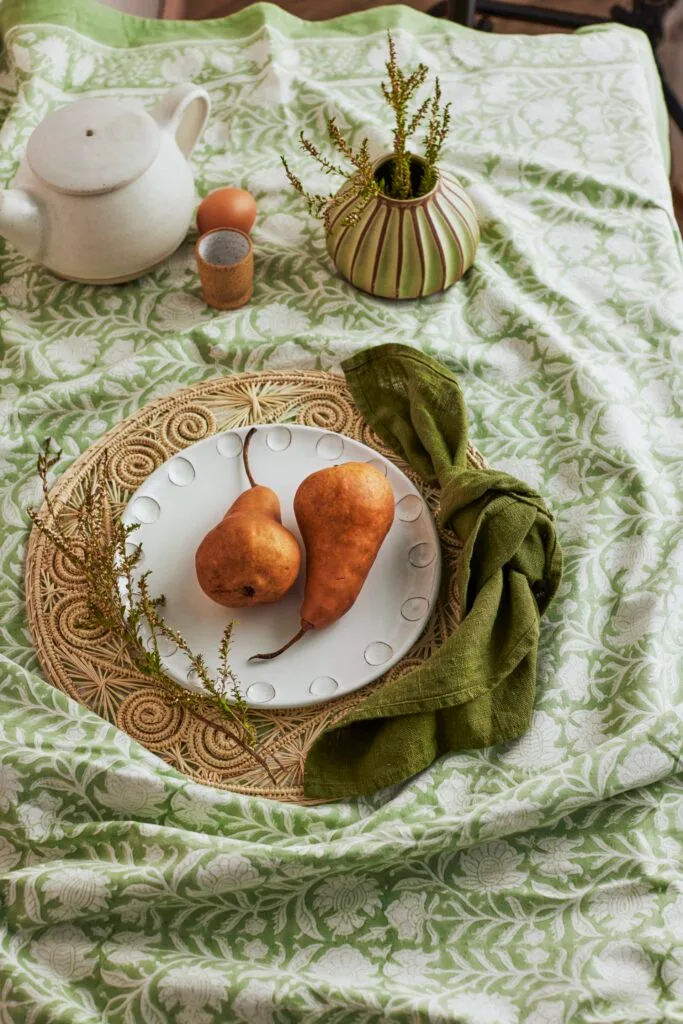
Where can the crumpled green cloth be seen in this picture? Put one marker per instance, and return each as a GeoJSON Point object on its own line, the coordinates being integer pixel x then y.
{"type": "Point", "coordinates": [479, 687]}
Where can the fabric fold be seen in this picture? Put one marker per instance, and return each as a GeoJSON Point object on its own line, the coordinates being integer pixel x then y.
{"type": "Point", "coordinates": [478, 689]}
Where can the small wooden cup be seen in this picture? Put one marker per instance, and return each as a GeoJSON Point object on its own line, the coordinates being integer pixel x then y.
{"type": "Point", "coordinates": [225, 260]}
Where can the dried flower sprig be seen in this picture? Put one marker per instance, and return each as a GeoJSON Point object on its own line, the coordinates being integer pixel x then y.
{"type": "Point", "coordinates": [363, 182]}
{"type": "Point", "coordinates": [118, 599]}
{"type": "Point", "coordinates": [398, 94]}
{"type": "Point", "coordinates": [437, 130]}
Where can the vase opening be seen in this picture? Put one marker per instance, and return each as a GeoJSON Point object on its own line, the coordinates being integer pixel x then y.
{"type": "Point", "coordinates": [383, 171]}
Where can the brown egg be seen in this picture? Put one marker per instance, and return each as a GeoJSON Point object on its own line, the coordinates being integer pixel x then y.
{"type": "Point", "coordinates": [227, 208]}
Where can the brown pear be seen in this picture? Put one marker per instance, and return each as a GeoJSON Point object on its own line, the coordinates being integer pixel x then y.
{"type": "Point", "coordinates": [344, 513]}
{"type": "Point", "coordinates": [248, 558]}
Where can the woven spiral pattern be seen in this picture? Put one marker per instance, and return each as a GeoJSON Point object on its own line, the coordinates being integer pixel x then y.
{"type": "Point", "coordinates": [148, 715]}
{"type": "Point", "coordinates": [94, 667]}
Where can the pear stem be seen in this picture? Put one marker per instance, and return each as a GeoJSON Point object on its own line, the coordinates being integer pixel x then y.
{"type": "Point", "coordinates": [245, 456]}
{"type": "Point", "coordinates": [281, 650]}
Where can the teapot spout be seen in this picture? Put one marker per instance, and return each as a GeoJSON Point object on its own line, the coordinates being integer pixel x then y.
{"type": "Point", "coordinates": [21, 221]}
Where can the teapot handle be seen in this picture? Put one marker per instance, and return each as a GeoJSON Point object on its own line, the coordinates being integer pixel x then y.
{"type": "Point", "coordinates": [184, 112]}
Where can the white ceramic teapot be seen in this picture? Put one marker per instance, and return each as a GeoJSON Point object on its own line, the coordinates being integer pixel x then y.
{"type": "Point", "coordinates": [105, 190]}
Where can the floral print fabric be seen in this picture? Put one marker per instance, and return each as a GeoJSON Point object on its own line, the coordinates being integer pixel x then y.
{"type": "Point", "coordinates": [536, 883]}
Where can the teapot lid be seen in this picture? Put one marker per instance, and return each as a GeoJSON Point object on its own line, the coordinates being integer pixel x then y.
{"type": "Point", "coordinates": [92, 146]}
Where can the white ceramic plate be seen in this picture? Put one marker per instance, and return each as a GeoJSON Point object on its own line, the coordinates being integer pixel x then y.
{"type": "Point", "coordinates": [183, 499]}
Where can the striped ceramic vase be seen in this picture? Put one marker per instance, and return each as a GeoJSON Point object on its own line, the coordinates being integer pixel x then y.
{"type": "Point", "coordinates": [407, 248]}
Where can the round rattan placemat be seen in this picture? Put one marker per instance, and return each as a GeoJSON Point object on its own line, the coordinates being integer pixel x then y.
{"type": "Point", "coordinates": [96, 670]}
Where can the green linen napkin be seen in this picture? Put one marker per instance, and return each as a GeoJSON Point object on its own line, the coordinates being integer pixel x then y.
{"type": "Point", "coordinates": [478, 689]}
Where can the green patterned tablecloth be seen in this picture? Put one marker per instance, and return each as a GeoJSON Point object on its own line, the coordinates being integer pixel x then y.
{"type": "Point", "coordinates": [537, 883]}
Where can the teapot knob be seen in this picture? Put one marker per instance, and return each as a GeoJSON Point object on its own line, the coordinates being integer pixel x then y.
{"type": "Point", "coordinates": [183, 112]}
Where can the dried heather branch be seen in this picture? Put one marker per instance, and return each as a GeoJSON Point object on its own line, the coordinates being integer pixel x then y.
{"type": "Point", "coordinates": [327, 165]}
{"type": "Point", "coordinates": [119, 600]}
{"type": "Point", "coordinates": [398, 92]}
{"type": "Point", "coordinates": [437, 130]}
{"type": "Point", "coordinates": [47, 460]}
{"type": "Point", "coordinates": [317, 203]}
